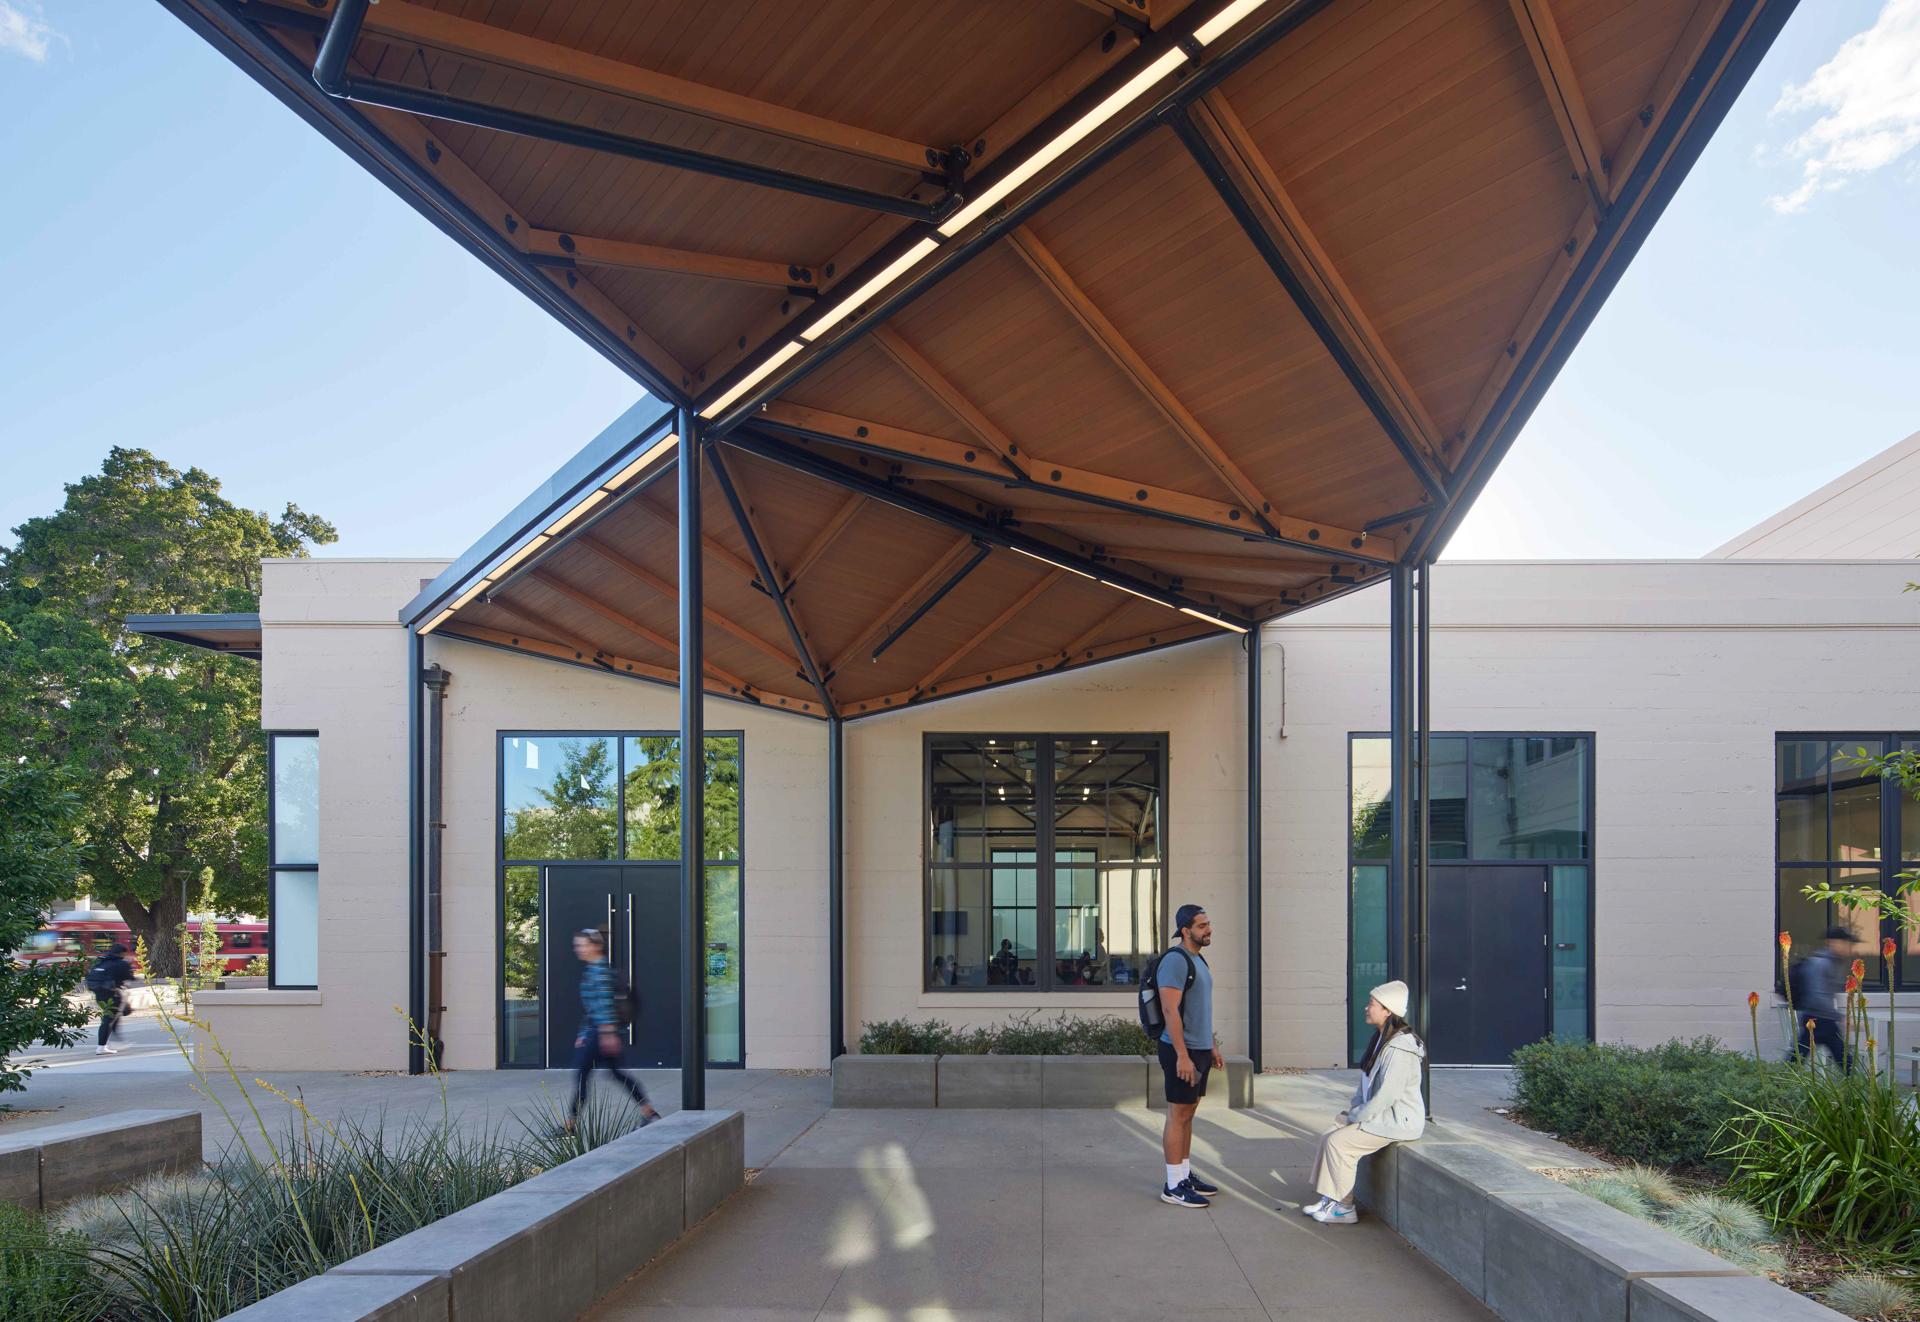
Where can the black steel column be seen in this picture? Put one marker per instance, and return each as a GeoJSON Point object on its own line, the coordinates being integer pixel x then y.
{"type": "Point", "coordinates": [836, 891]}
{"type": "Point", "coordinates": [416, 873]}
{"type": "Point", "coordinates": [1400, 695]}
{"type": "Point", "coordinates": [693, 779]}
{"type": "Point", "coordinates": [1255, 987]}
{"type": "Point", "coordinates": [1423, 869]}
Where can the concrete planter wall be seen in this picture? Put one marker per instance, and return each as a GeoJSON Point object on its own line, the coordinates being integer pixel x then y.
{"type": "Point", "coordinates": [1059, 1082]}
{"type": "Point", "coordinates": [544, 1250]}
{"type": "Point", "coordinates": [1536, 1251]}
{"type": "Point", "coordinates": [46, 1165]}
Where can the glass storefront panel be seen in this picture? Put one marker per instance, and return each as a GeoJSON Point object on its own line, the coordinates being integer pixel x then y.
{"type": "Point", "coordinates": [1800, 788]}
{"type": "Point", "coordinates": [1372, 789]}
{"type": "Point", "coordinates": [1447, 816]}
{"type": "Point", "coordinates": [1805, 920]}
{"type": "Point", "coordinates": [1529, 798]}
{"type": "Point", "coordinates": [1572, 991]}
{"type": "Point", "coordinates": [296, 798]}
{"type": "Point", "coordinates": [1367, 946]}
{"type": "Point", "coordinates": [295, 961]}
{"type": "Point", "coordinates": [559, 795]}
{"type": "Point", "coordinates": [653, 798]}
{"type": "Point", "coordinates": [724, 967]}
{"type": "Point", "coordinates": [520, 1011]}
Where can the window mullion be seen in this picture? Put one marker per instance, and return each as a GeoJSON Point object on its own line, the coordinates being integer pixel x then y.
{"type": "Point", "coordinates": [1044, 858]}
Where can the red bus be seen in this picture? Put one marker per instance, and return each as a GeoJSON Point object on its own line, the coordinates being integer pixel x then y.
{"type": "Point", "coordinates": [85, 935]}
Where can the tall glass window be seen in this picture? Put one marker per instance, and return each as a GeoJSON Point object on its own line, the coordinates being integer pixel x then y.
{"type": "Point", "coordinates": [1496, 798]}
{"type": "Point", "coordinates": [1045, 858]}
{"type": "Point", "coordinates": [1834, 822]}
{"type": "Point", "coordinates": [293, 896]}
{"type": "Point", "coordinates": [612, 797]}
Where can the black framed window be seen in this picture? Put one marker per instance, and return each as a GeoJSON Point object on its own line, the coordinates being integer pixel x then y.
{"type": "Point", "coordinates": [293, 853]}
{"type": "Point", "coordinates": [1836, 822]}
{"type": "Point", "coordinates": [607, 796]}
{"type": "Point", "coordinates": [1496, 798]}
{"type": "Point", "coordinates": [1045, 860]}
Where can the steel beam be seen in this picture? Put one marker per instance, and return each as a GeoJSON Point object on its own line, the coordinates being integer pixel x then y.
{"type": "Point", "coordinates": [934, 598]}
{"type": "Point", "coordinates": [416, 869]}
{"type": "Point", "coordinates": [693, 777]}
{"type": "Point", "coordinates": [1400, 819]}
{"type": "Point", "coordinates": [1255, 989]}
{"type": "Point", "coordinates": [330, 74]}
{"type": "Point", "coordinates": [1420, 982]}
{"type": "Point", "coordinates": [1248, 218]}
{"type": "Point", "coordinates": [836, 888]}
{"type": "Point", "coordinates": [765, 569]}
{"type": "Point", "coordinates": [981, 529]}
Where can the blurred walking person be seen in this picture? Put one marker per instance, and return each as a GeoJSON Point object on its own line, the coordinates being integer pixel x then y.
{"type": "Point", "coordinates": [107, 980]}
{"type": "Point", "coordinates": [607, 1007]}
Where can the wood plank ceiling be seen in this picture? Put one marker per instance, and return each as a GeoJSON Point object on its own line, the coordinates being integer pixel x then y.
{"type": "Point", "coordinates": [1253, 338]}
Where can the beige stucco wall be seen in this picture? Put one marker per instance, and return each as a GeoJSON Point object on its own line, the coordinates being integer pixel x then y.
{"type": "Point", "coordinates": [334, 660]}
{"type": "Point", "coordinates": [1683, 671]}
{"type": "Point", "coordinates": [1195, 694]}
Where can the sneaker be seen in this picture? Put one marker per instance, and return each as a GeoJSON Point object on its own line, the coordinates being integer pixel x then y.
{"type": "Point", "coordinates": [1201, 1186]}
{"type": "Point", "coordinates": [1335, 1215]}
{"type": "Point", "coordinates": [106, 1051]}
{"type": "Point", "coordinates": [1313, 1208]}
{"type": "Point", "coordinates": [1182, 1195]}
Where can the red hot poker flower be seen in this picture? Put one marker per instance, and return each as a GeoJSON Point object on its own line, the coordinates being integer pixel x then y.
{"type": "Point", "coordinates": [1753, 1000]}
{"type": "Point", "coordinates": [1886, 947]}
{"type": "Point", "coordinates": [1859, 968]}
{"type": "Point", "coordinates": [1786, 940]}
{"type": "Point", "coordinates": [1853, 983]}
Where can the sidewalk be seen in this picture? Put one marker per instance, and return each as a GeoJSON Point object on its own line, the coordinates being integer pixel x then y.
{"type": "Point", "coordinates": [978, 1216]}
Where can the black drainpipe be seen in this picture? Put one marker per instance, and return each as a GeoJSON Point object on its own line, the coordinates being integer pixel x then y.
{"type": "Point", "coordinates": [435, 677]}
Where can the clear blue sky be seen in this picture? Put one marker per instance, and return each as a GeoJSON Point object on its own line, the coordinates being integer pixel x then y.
{"type": "Point", "coordinates": [185, 266]}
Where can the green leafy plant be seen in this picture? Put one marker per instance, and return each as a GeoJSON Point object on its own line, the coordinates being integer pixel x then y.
{"type": "Point", "coordinates": [1663, 1106]}
{"type": "Point", "coordinates": [1870, 1296]}
{"type": "Point", "coordinates": [1840, 1161]}
{"type": "Point", "coordinates": [1023, 1035]}
{"type": "Point", "coordinates": [39, 862]}
{"type": "Point", "coordinates": [42, 1270]}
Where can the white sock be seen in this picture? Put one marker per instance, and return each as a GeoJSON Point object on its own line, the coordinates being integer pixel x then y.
{"type": "Point", "coordinates": [1174, 1176]}
{"type": "Point", "coordinates": [1186, 1169]}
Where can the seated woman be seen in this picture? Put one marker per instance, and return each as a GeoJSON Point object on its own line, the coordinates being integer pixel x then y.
{"type": "Point", "coordinates": [1387, 1107]}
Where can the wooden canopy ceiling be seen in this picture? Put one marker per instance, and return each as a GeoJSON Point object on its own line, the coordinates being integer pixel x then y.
{"type": "Point", "coordinates": [1023, 333]}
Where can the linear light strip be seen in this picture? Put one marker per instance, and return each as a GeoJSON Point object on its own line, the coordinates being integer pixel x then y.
{"type": "Point", "coordinates": [895, 269]}
{"type": "Point", "coordinates": [585, 505]}
{"type": "Point", "coordinates": [1211, 619]}
{"type": "Point", "coordinates": [752, 379]}
{"type": "Point", "coordinates": [1218, 25]}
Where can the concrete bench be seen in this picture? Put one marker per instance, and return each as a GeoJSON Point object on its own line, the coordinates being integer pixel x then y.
{"type": "Point", "coordinates": [45, 1165]}
{"type": "Point", "coordinates": [1003, 1082]}
{"type": "Point", "coordinates": [1533, 1250]}
{"type": "Point", "coordinates": [544, 1250]}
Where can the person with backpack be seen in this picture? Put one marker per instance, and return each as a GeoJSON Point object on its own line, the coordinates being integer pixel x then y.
{"type": "Point", "coordinates": [107, 980]}
{"type": "Point", "coordinates": [1816, 983]}
{"type": "Point", "coordinates": [607, 1007]}
{"type": "Point", "coordinates": [1176, 1008]}
{"type": "Point", "coordinates": [1388, 1106]}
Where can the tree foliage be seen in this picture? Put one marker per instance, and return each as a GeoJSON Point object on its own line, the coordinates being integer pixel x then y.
{"type": "Point", "coordinates": [39, 859]}
{"type": "Point", "coordinates": [162, 743]}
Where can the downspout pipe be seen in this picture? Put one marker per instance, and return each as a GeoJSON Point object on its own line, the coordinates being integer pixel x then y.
{"type": "Point", "coordinates": [435, 678]}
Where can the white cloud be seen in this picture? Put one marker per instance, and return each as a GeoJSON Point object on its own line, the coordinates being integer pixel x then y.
{"type": "Point", "coordinates": [1868, 99]}
{"type": "Point", "coordinates": [24, 32]}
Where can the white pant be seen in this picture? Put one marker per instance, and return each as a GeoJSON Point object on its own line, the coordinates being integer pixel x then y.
{"type": "Point", "coordinates": [1338, 1160]}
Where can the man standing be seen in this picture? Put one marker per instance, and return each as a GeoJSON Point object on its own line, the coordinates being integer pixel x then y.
{"type": "Point", "coordinates": [1187, 1053]}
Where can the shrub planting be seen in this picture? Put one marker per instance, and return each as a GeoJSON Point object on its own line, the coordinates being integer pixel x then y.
{"type": "Point", "coordinates": [1662, 1106]}
{"type": "Point", "coordinates": [1840, 1160]}
{"type": "Point", "coordinates": [1869, 1295]}
{"type": "Point", "coordinates": [1023, 1035]}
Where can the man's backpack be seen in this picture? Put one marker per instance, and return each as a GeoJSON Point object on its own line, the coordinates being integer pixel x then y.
{"type": "Point", "coordinates": [100, 977]}
{"type": "Point", "coordinates": [1153, 1018]}
{"type": "Point", "coordinates": [626, 1001]}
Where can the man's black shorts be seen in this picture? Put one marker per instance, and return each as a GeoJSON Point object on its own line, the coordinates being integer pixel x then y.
{"type": "Point", "coordinates": [1178, 1089]}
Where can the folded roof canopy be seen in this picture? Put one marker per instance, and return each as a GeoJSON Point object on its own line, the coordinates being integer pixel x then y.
{"type": "Point", "coordinates": [1028, 333]}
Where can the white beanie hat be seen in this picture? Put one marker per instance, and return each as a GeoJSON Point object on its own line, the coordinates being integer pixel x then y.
{"type": "Point", "coordinates": [1392, 997]}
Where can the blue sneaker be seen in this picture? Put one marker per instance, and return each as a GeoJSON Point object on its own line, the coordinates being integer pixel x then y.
{"type": "Point", "coordinates": [1333, 1214]}
{"type": "Point", "coordinates": [1201, 1186]}
{"type": "Point", "coordinates": [1182, 1195]}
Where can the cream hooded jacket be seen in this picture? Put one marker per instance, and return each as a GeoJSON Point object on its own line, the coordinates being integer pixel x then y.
{"type": "Point", "coordinates": [1388, 1102]}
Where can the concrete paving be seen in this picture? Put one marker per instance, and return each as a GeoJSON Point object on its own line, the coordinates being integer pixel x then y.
{"type": "Point", "coordinates": [971, 1216]}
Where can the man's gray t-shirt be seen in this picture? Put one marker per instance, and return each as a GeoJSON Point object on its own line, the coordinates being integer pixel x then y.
{"type": "Point", "coordinates": [1196, 1007]}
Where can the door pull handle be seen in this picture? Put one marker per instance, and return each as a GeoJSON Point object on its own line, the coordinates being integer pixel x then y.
{"type": "Point", "coordinates": [1566, 945]}
{"type": "Point", "coordinates": [631, 971]}
{"type": "Point", "coordinates": [1461, 987]}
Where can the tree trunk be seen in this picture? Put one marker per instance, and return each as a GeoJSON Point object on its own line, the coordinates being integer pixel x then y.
{"type": "Point", "coordinates": [158, 925]}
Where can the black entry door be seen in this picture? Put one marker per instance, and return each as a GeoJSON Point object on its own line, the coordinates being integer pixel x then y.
{"type": "Point", "coordinates": [1489, 962]}
{"type": "Point", "coordinates": [638, 905]}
